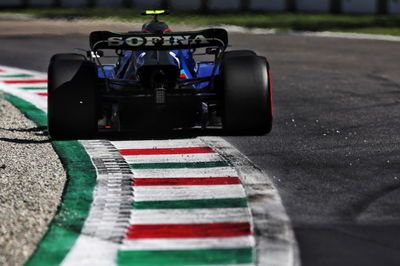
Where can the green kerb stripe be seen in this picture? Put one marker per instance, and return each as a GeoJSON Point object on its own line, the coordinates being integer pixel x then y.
{"type": "Point", "coordinates": [29, 110]}
{"type": "Point", "coordinates": [34, 88]}
{"type": "Point", "coordinates": [186, 257]}
{"type": "Point", "coordinates": [17, 76]}
{"type": "Point", "coordinates": [178, 165]}
{"type": "Point", "coordinates": [192, 204]}
{"type": "Point", "coordinates": [77, 196]}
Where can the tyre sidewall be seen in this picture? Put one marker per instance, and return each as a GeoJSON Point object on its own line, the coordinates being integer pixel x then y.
{"type": "Point", "coordinates": [72, 97]}
{"type": "Point", "coordinates": [246, 97]}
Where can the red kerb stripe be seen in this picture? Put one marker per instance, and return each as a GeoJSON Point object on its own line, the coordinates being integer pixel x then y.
{"type": "Point", "coordinates": [42, 93]}
{"type": "Point", "coordinates": [25, 81]}
{"type": "Point", "coordinates": [157, 151]}
{"type": "Point", "coordinates": [188, 230]}
{"type": "Point", "coordinates": [2, 70]}
{"type": "Point", "coordinates": [186, 181]}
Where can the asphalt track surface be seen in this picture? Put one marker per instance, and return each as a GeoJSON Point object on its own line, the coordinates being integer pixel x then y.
{"type": "Point", "coordinates": [334, 151]}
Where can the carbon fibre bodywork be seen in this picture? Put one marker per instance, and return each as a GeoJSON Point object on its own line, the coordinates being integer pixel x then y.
{"type": "Point", "coordinates": [158, 89]}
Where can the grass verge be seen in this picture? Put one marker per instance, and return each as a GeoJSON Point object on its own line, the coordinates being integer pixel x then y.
{"type": "Point", "coordinates": [375, 24]}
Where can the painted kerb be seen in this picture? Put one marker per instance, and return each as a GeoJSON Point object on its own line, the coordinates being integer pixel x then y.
{"type": "Point", "coordinates": [173, 197]}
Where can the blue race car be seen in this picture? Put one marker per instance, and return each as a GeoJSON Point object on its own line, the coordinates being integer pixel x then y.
{"type": "Point", "coordinates": [157, 84]}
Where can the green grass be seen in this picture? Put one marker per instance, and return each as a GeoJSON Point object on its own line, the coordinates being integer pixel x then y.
{"type": "Point", "coordinates": [376, 24]}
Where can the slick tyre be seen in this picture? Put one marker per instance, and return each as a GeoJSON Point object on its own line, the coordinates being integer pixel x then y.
{"type": "Point", "coordinates": [247, 101]}
{"type": "Point", "coordinates": [72, 97]}
{"type": "Point", "coordinates": [236, 53]}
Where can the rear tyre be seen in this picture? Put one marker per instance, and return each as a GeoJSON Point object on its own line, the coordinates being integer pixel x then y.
{"type": "Point", "coordinates": [238, 53]}
{"type": "Point", "coordinates": [72, 103]}
{"type": "Point", "coordinates": [247, 101]}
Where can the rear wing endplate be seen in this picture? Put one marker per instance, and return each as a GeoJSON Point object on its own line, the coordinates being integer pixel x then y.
{"type": "Point", "coordinates": [166, 41]}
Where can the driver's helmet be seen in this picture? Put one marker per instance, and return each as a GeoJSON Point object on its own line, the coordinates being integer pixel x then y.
{"type": "Point", "coordinates": [156, 27]}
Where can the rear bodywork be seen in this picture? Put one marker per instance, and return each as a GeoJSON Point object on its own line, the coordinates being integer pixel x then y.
{"type": "Point", "coordinates": [156, 81]}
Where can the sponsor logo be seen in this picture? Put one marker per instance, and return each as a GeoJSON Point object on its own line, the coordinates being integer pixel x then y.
{"type": "Point", "coordinates": [157, 41]}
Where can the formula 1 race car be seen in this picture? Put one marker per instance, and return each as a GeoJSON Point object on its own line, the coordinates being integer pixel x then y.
{"type": "Point", "coordinates": [157, 84]}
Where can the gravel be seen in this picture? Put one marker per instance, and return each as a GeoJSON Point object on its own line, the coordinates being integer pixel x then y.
{"type": "Point", "coordinates": [31, 175]}
{"type": "Point", "coordinates": [31, 184]}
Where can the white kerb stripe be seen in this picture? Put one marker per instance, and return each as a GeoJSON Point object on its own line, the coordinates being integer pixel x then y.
{"type": "Point", "coordinates": [190, 243]}
{"type": "Point", "coordinates": [162, 193]}
{"type": "Point", "coordinates": [173, 158]}
{"type": "Point", "coordinates": [190, 216]}
{"type": "Point", "coordinates": [185, 172]}
{"type": "Point", "coordinates": [37, 91]}
{"type": "Point", "coordinates": [151, 144]}
{"type": "Point", "coordinates": [102, 253]}
{"type": "Point", "coordinates": [15, 70]}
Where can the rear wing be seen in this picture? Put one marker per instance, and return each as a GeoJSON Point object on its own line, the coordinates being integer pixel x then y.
{"type": "Point", "coordinates": [166, 41]}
